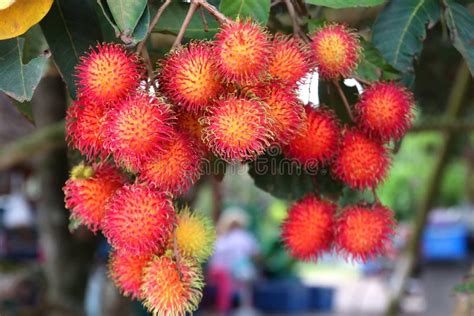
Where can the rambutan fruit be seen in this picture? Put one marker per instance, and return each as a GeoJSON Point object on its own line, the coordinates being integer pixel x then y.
{"type": "Point", "coordinates": [171, 288]}
{"type": "Point", "coordinates": [195, 235]}
{"type": "Point", "coordinates": [361, 162]}
{"type": "Point", "coordinates": [189, 123]}
{"type": "Point", "coordinates": [335, 50]}
{"type": "Point", "coordinates": [88, 190]}
{"type": "Point", "coordinates": [127, 272]}
{"type": "Point", "coordinates": [139, 220]}
{"type": "Point", "coordinates": [176, 168]}
{"type": "Point", "coordinates": [385, 110]}
{"type": "Point", "coordinates": [85, 128]}
{"type": "Point", "coordinates": [242, 51]}
{"type": "Point", "coordinates": [363, 232]}
{"type": "Point", "coordinates": [237, 128]}
{"type": "Point", "coordinates": [317, 141]}
{"type": "Point", "coordinates": [189, 77]}
{"type": "Point", "coordinates": [290, 60]}
{"type": "Point", "coordinates": [308, 229]}
{"type": "Point", "coordinates": [137, 128]}
{"type": "Point", "coordinates": [108, 73]}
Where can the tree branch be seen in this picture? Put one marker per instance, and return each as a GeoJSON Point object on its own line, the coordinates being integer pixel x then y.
{"type": "Point", "coordinates": [152, 25]}
{"type": "Point", "coordinates": [221, 18]}
{"type": "Point", "coordinates": [344, 99]}
{"type": "Point", "coordinates": [192, 9]}
{"type": "Point", "coordinates": [295, 21]}
{"type": "Point", "coordinates": [451, 126]}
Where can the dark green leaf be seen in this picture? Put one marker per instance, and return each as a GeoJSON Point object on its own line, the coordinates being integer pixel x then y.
{"type": "Point", "coordinates": [373, 66]}
{"type": "Point", "coordinates": [25, 109]}
{"type": "Point", "coordinates": [315, 24]}
{"type": "Point", "coordinates": [258, 10]}
{"type": "Point", "coordinates": [142, 27]}
{"type": "Point", "coordinates": [127, 13]}
{"type": "Point", "coordinates": [19, 80]}
{"type": "Point", "coordinates": [400, 30]}
{"type": "Point", "coordinates": [35, 44]}
{"type": "Point", "coordinates": [337, 4]}
{"type": "Point", "coordinates": [106, 21]}
{"type": "Point", "coordinates": [461, 28]}
{"type": "Point", "coordinates": [70, 28]}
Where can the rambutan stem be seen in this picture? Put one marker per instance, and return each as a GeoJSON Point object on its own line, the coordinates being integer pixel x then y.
{"type": "Point", "coordinates": [363, 81]}
{"type": "Point", "coordinates": [344, 99]}
{"type": "Point", "coordinates": [221, 18]}
{"type": "Point", "coordinates": [294, 19]}
{"type": "Point", "coordinates": [177, 256]}
{"type": "Point", "coordinates": [204, 20]}
{"type": "Point", "coordinates": [192, 9]}
{"type": "Point", "coordinates": [152, 25]}
{"type": "Point", "coordinates": [376, 197]}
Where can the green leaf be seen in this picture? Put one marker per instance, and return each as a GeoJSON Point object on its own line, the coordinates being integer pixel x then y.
{"type": "Point", "coordinates": [315, 24]}
{"type": "Point", "coordinates": [35, 44]}
{"type": "Point", "coordinates": [25, 109]}
{"type": "Point", "coordinates": [142, 27]}
{"type": "Point", "coordinates": [19, 80]}
{"type": "Point", "coordinates": [258, 10]}
{"type": "Point", "coordinates": [71, 28]}
{"type": "Point", "coordinates": [400, 30]}
{"type": "Point", "coordinates": [127, 13]}
{"type": "Point", "coordinates": [338, 4]}
{"type": "Point", "coordinates": [373, 66]}
{"type": "Point", "coordinates": [461, 29]}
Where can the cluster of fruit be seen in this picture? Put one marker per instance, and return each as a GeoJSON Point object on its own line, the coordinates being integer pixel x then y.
{"type": "Point", "coordinates": [232, 98]}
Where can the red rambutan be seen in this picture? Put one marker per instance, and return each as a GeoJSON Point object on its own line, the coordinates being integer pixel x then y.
{"type": "Point", "coordinates": [189, 123]}
{"type": "Point", "coordinates": [363, 232]}
{"type": "Point", "coordinates": [108, 73]}
{"type": "Point", "coordinates": [335, 51]}
{"type": "Point", "coordinates": [139, 220]}
{"type": "Point", "coordinates": [385, 110]}
{"type": "Point", "coordinates": [361, 162]}
{"type": "Point", "coordinates": [308, 229]}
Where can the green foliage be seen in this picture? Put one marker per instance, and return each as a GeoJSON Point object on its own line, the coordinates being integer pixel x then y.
{"type": "Point", "coordinates": [127, 13]}
{"type": "Point", "coordinates": [258, 10]}
{"type": "Point", "coordinates": [337, 4]}
{"type": "Point", "coordinates": [373, 66]}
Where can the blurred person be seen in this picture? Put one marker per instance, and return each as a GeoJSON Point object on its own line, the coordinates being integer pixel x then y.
{"type": "Point", "coordinates": [231, 268]}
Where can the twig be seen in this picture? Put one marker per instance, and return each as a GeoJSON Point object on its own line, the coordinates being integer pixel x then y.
{"type": "Point", "coordinates": [192, 9]}
{"type": "Point", "coordinates": [152, 25]}
{"type": "Point", "coordinates": [376, 197]}
{"type": "Point", "coordinates": [204, 20]}
{"type": "Point", "coordinates": [221, 18]}
{"type": "Point", "coordinates": [344, 99]}
{"type": "Point", "coordinates": [294, 19]}
{"type": "Point", "coordinates": [275, 2]}
{"type": "Point", "coordinates": [366, 82]}
{"type": "Point", "coordinates": [148, 63]}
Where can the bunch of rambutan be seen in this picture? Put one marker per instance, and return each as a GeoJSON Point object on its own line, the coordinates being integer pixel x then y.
{"type": "Point", "coordinates": [231, 98]}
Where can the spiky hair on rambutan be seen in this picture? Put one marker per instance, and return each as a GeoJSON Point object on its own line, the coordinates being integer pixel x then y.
{"type": "Point", "coordinates": [363, 232]}
{"type": "Point", "coordinates": [189, 77]}
{"type": "Point", "coordinates": [195, 234]}
{"type": "Point", "coordinates": [88, 190]}
{"type": "Point", "coordinates": [242, 51]}
{"type": "Point", "coordinates": [127, 272]}
{"type": "Point", "coordinates": [137, 128]}
{"type": "Point", "coordinates": [318, 140]}
{"type": "Point", "coordinates": [385, 110]}
{"type": "Point", "coordinates": [308, 230]}
{"type": "Point", "coordinates": [176, 168]}
{"type": "Point", "coordinates": [189, 124]}
{"type": "Point", "coordinates": [290, 60]}
{"type": "Point", "coordinates": [85, 128]}
{"type": "Point", "coordinates": [361, 162]}
{"type": "Point", "coordinates": [139, 220]}
{"type": "Point", "coordinates": [335, 50]}
{"type": "Point", "coordinates": [171, 288]}
{"type": "Point", "coordinates": [108, 73]}
{"type": "Point", "coordinates": [238, 128]}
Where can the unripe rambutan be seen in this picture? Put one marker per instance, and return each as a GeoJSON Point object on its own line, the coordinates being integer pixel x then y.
{"type": "Point", "coordinates": [195, 235]}
{"type": "Point", "coordinates": [139, 220]}
{"type": "Point", "coordinates": [85, 128]}
{"type": "Point", "coordinates": [137, 128]}
{"type": "Point", "coordinates": [108, 73]}
{"type": "Point", "coordinates": [237, 128]}
{"type": "Point", "coordinates": [335, 50]}
{"type": "Point", "coordinates": [290, 60]}
{"type": "Point", "coordinates": [170, 288]}
{"type": "Point", "coordinates": [363, 232]}
{"type": "Point", "coordinates": [308, 229]}
{"type": "Point", "coordinates": [176, 168]}
{"type": "Point", "coordinates": [242, 51]}
{"type": "Point", "coordinates": [189, 77]}
{"type": "Point", "coordinates": [88, 190]}
{"type": "Point", "coordinates": [318, 140]}
{"type": "Point", "coordinates": [385, 110]}
{"type": "Point", "coordinates": [127, 272]}
{"type": "Point", "coordinates": [361, 162]}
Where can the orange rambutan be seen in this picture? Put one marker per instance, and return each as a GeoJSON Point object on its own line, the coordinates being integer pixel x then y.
{"type": "Point", "coordinates": [361, 162]}
{"type": "Point", "coordinates": [335, 50]}
{"type": "Point", "coordinates": [108, 73]}
{"type": "Point", "coordinates": [189, 124]}
{"type": "Point", "coordinates": [170, 288]}
{"type": "Point", "coordinates": [363, 232]}
{"type": "Point", "coordinates": [385, 110]}
{"type": "Point", "coordinates": [189, 77]}
{"type": "Point", "coordinates": [242, 51]}
{"type": "Point", "coordinates": [176, 168]}
{"type": "Point", "coordinates": [318, 140]}
{"type": "Point", "coordinates": [237, 128]}
{"type": "Point", "coordinates": [137, 128]}
{"type": "Point", "coordinates": [308, 229]}
{"type": "Point", "coordinates": [127, 272]}
{"type": "Point", "coordinates": [290, 60]}
{"type": "Point", "coordinates": [139, 220]}
{"type": "Point", "coordinates": [88, 190]}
